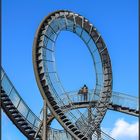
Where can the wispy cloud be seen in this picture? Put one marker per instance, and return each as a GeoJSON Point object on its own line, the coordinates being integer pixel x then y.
{"type": "Point", "coordinates": [124, 130]}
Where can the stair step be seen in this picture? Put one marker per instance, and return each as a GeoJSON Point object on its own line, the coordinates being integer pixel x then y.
{"type": "Point", "coordinates": [71, 126]}
{"type": "Point", "coordinates": [74, 129]}
{"type": "Point", "coordinates": [50, 98]}
{"type": "Point", "coordinates": [46, 88]}
{"type": "Point", "coordinates": [5, 98]}
{"type": "Point", "coordinates": [20, 120]}
{"type": "Point", "coordinates": [12, 108]}
{"type": "Point", "coordinates": [65, 120]}
{"type": "Point", "coordinates": [8, 104]}
{"type": "Point", "coordinates": [53, 103]}
{"type": "Point", "coordinates": [125, 108]}
{"type": "Point", "coordinates": [2, 92]}
{"type": "Point", "coordinates": [14, 112]}
{"type": "Point", "coordinates": [27, 128]}
{"type": "Point", "coordinates": [58, 111]}
{"type": "Point", "coordinates": [63, 117]}
{"type": "Point", "coordinates": [31, 132]}
{"type": "Point", "coordinates": [137, 112]}
{"type": "Point", "coordinates": [77, 132]}
{"type": "Point", "coordinates": [61, 113]}
{"type": "Point", "coordinates": [48, 93]}
{"type": "Point", "coordinates": [24, 124]}
{"type": "Point", "coordinates": [68, 123]}
{"type": "Point", "coordinates": [80, 136]}
{"type": "Point", "coordinates": [43, 82]}
{"type": "Point", "coordinates": [131, 110]}
{"type": "Point", "coordinates": [16, 116]}
{"type": "Point", "coordinates": [55, 107]}
{"type": "Point", "coordinates": [84, 138]}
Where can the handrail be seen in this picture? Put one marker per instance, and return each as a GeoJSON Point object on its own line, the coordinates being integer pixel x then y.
{"type": "Point", "coordinates": [118, 98]}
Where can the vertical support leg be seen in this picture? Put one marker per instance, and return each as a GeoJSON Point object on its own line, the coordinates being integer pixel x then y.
{"type": "Point", "coordinates": [89, 121]}
{"type": "Point", "coordinates": [98, 133]}
{"type": "Point", "coordinates": [45, 121]}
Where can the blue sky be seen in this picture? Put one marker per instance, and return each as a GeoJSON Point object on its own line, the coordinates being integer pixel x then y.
{"type": "Point", "coordinates": [117, 21]}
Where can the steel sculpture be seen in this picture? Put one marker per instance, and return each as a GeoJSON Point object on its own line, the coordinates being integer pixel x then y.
{"type": "Point", "coordinates": [59, 103]}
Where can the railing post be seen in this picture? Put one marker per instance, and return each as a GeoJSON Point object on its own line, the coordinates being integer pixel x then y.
{"type": "Point", "coordinates": [45, 121]}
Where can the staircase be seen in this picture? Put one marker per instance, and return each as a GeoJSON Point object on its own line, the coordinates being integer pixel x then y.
{"type": "Point", "coordinates": [19, 120]}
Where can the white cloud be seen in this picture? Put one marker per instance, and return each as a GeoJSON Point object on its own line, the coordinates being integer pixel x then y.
{"type": "Point", "coordinates": [124, 130]}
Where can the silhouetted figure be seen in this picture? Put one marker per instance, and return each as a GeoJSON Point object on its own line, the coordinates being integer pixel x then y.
{"type": "Point", "coordinates": [85, 92]}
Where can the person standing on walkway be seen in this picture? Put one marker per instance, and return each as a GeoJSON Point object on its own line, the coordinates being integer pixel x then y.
{"type": "Point", "coordinates": [85, 92]}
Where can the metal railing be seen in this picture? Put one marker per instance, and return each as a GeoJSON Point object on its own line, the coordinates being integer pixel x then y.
{"type": "Point", "coordinates": [55, 134]}
{"type": "Point", "coordinates": [117, 98]}
{"type": "Point", "coordinates": [125, 100]}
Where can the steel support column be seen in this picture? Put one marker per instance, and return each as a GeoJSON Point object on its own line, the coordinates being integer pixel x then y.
{"type": "Point", "coordinates": [45, 121]}
{"type": "Point", "coordinates": [89, 121]}
{"type": "Point", "coordinates": [98, 131]}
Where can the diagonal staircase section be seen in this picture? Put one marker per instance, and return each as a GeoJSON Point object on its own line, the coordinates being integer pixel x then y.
{"type": "Point", "coordinates": [17, 118]}
{"type": "Point", "coordinates": [16, 109]}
